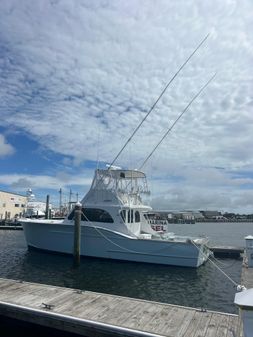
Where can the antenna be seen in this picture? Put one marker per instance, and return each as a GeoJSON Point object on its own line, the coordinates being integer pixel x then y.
{"type": "Point", "coordinates": [158, 99]}
{"type": "Point", "coordinates": [175, 122]}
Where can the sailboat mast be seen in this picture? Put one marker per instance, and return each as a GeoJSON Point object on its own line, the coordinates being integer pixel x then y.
{"type": "Point", "coordinates": [157, 100]}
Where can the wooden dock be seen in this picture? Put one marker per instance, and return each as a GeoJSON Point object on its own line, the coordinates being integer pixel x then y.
{"type": "Point", "coordinates": [94, 314]}
{"type": "Point", "coordinates": [5, 227]}
{"type": "Point", "coordinates": [227, 251]}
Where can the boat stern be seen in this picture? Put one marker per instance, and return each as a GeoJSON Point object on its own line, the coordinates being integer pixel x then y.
{"type": "Point", "coordinates": [204, 252]}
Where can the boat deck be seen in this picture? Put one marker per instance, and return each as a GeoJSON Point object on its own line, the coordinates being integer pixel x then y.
{"type": "Point", "coordinates": [94, 314]}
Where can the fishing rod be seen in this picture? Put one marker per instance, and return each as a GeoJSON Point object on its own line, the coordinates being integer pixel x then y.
{"type": "Point", "coordinates": [158, 99]}
{"type": "Point", "coordinates": [175, 122]}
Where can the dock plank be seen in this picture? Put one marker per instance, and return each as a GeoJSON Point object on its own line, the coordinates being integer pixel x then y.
{"type": "Point", "coordinates": [163, 318]}
{"type": "Point", "coordinates": [177, 323]}
{"type": "Point", "coordinates": [118, 314]}
{"type": "Point", "coordinates": [214, 323]}
{"type": "Point", "coordinates": [141, 317]}
{"type": "Point", "coordinates": [222, 328]}
{"type": "Point", "coordinates": [203, 320]}
{"type": "Point", "coordinates": [96, 307]}
{"type": "Point", "coordinates": [234, 327]}
{"type": "Point", "coordinates": [12, 291]}
{"type": "Point", "coordinates": [171, 322]}
{"type": "Point", "coordinates": [186, 320]}
{"type": "Point", "coordinates": [71, 302]}
{"type": "Point", "coordinates": [152, 317]}
{"type": "Point", "coordinates": [75, 309]}
{"type": "Point", "coordinates": [193, 325]}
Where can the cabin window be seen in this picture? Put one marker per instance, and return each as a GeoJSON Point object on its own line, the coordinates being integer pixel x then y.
{"type": "Point", "coordinates": [137, 216]}
{"type": "Point", "coordinates": [131, 216]}
{"type": "Point", "coordinates": [128, 216]}
{"type": "Point", "coordinates": [93, 215]}
{"type": "Point", "coordinates": [123, 215]}
{"type": "Point", "coordinates": [16, 205]}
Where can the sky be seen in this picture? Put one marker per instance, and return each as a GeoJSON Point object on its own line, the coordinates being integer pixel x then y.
{"type": "Point", "coordinates": [77, 77]}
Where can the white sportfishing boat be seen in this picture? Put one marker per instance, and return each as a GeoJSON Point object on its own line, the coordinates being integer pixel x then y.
{"type": "Point", "coordinates": [114, 226]}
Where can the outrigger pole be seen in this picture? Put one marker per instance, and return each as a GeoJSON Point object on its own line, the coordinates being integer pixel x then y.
{"type": "Point", "coordinates": [158, 99]}
{"type": "Point", "coordinates": [175, 122]}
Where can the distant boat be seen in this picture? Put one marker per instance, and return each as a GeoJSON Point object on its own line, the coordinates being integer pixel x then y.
{"type": "Point", "coordinates": [115, 225]}
{"type": "Point", "coordinates": [34, 208]}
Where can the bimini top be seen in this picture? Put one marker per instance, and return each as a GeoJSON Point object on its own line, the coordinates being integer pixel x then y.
{"type": "Point", "coordinates": [122, 174]}
{"type": "Point", "coordinates": [118, 182]}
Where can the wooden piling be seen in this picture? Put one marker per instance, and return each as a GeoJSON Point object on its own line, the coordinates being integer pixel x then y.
{"type": "Point", "coordinates": [47, 208]}
{"type": "Point", "coordinates": [77, 234]}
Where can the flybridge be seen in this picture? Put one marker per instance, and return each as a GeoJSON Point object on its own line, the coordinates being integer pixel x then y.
{"type": "Point", "coordinates": [123, 181]}
{"type": "Point", "coordinates": [117, 187]}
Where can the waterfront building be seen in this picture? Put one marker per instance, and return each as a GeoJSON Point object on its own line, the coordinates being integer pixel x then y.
{"type": "Point", "coordinates": [211, 214]}
{"type": "Point", "coordinates": [11, 205]}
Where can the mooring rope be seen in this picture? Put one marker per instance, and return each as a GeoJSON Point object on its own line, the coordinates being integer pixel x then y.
{"type": "Point", "coordinates": [226, 275]}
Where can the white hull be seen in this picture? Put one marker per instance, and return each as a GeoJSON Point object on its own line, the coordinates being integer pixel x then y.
{"type": "Point", "coordinates": [57, 236]}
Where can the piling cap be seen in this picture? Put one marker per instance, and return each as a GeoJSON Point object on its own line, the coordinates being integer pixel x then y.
{"type": "Point", "coordinates": [249, 237]}
{"type": "Point", "coordinates": [78, 204]}
{"type": "Point", "coordinates": [244, 298]}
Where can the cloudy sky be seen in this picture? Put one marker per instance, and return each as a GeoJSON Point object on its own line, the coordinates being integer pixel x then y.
{"type": "Point", "coordinates": [78, 76]}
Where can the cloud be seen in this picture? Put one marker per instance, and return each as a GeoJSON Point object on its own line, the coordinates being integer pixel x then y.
{"type": "Point", "coordinates": [80, 81]}
{"type": "Point", "coordinates": [202, 188]}
{"type": "Point", "coordinates": [23, 182]}
{"type": "Point", "coordinates": [5, 148]}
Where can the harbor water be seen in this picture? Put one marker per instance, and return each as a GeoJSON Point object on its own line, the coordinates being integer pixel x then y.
{"type": "Point", "coordinates": [204, 287]}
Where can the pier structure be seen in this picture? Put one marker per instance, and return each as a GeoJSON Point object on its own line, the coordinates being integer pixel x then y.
{"type": "Point", "coordinates": [227, 251]}
{"type": "Point", "coordinates": [94, 314]}
{"type": "Point", "coordinates": [244, 296]}
{"type": "Point", "coordinates": [247, 272]}
{"type": "Point", "coordinates": [13, 227]}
